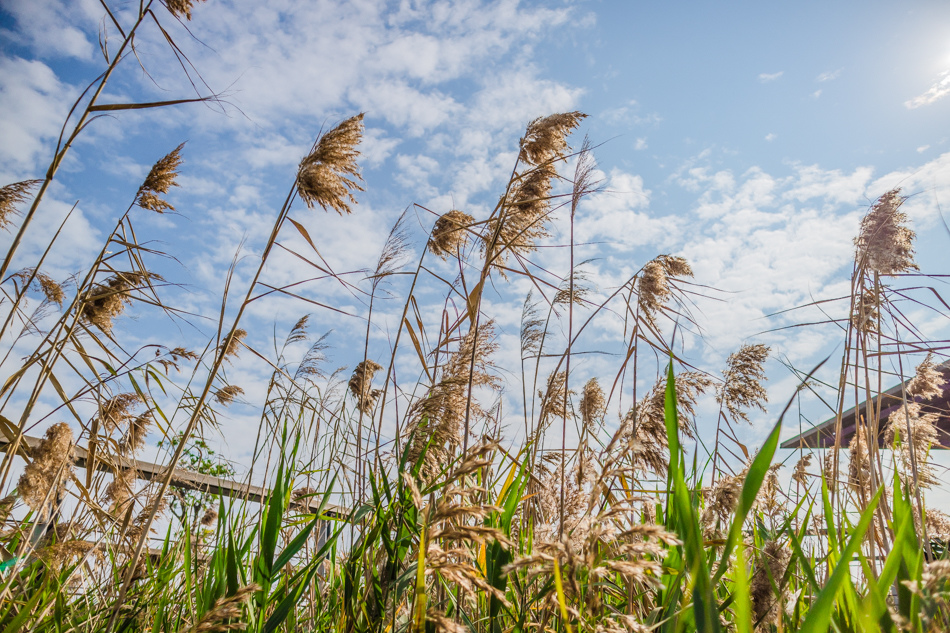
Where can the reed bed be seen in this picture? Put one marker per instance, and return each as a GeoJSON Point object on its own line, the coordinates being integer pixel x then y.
{"type": "Point", "coordinates": [402, 506]}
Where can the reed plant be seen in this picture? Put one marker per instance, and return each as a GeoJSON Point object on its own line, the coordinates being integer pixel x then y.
{"type": "Point", "coordinates": [402, 506]}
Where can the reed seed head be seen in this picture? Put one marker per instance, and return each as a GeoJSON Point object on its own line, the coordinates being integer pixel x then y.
{"type": "Point", "coordinates": [232, 346]}
{"type": "Point", "coordinates": [928, 381]}
{"type": "Point", "coordinates": [524, 217]}
{"type": "Point", "coordinates": [12, 195]}
{"type": "Point", "coordinates": [161, 177]}
{"type": "Point", "coordinates": [885, 243]}
{"type": "Point", "coordinates": [437, 419]}
{"type": "Point", "coordinates": [115, 412]}
{"type": "Point", "coordinates": [654, 289]}
{"type": "Point", "coordinates": [801, 470]}
{"type": "Point", "coordinates": [867, 311]}
{"type": "Point", "coordinates": [105, 301]}
{"type": "Point", "coordinates": [41, 282]}
{"type": "Point", "coordinates": [226, 395]}
{"type": "Point", "coordinates": [645, 424]}
{"type": "Point", "coordinates": [923, 435]}
{"type": "Point", "coordinates": [329, 174]}
{"type": "Point", "coordinates": [742, 382]}
{"type": "Point", "coordinates": [134, 439]}
{"type": "Point", "coordinates": [181, 8]}
{"type": "Point", "coordinates": [769, 571]}
{"type": "Point", "coordinates": [361, 386]}
{"type": "Point", "coordinates": [218, 618]}
{"type": "Point", "coordinates": [859, 462]}
{"type": "Point", "coordinates": [545, 139]}
{"type": "Point", "coordinates": [44, 478]}
{"type": "Point", "coordinates": [450, 234]}
{"type": "Point", "coordinates": [209, 517]}
{"type": "Point", "coordinates": [592, 403]}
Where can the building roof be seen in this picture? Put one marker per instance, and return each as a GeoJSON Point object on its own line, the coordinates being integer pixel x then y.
{"type": "Point", "coordinates": [823, 435]}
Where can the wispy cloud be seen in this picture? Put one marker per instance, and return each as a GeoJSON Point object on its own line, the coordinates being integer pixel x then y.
{"type": "Point", "coordinates": [939, 90]}
{"type": "Point", "coordinates": [767, 77]}
{"type": "Point", "coordinates": [770, 136]}
{"type": "Point", "coordinates": [816, 94]}
{"type": "Point", "coordinates": [640, 144]}
{"type": "Point", "coordinates": [829, 75]}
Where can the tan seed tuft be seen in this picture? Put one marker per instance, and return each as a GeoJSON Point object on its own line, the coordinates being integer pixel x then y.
{"type": "Point", "coordinates": [12, 195]}
{"type": "Point", "coordinates": [449, 235]}
{"type": "Point", "coordinates": [329, 174]}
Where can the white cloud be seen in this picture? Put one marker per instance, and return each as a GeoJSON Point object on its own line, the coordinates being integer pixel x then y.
{"type": "Point", "coordinates": [640, 144]}
{"type": "Point", "coordinates": [770, 136]}
{"type": "Point", "coordinates": [939, 90]}
{"type": "Point", "coordinates": [54, 27]}
{"type": "Point", "coordinates": [922, 149]}
{"type": "Point", "coordinates": [766, 77]}
{"type": "Point", "coordinates": [830, 75]}
{"type": "Point", "coordinates": [816, 94]}
{"type": "Point", "coordinates": [34, 102]}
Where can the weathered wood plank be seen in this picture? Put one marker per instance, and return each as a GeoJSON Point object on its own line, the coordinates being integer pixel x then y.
{"type": "Point", "coordinates": [181, 479]}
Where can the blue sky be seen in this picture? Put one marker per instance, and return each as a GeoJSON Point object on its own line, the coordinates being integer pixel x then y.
{"type": "Point", "coordinates": [748, 137]}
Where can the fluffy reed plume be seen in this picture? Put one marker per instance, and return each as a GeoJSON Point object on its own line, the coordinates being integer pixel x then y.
{"type": "Point", "coordinates": [134, 439]}
{"type": "Point", "coordinates": [12, 195]}
{"type": "Point", "coordinates": [442, 623]}
{"type": "Point", "coordinates": [552, 400]}
{"type": "Point", "coordinates": [232, 346]}
{"type": "Point", "coordinates": [56, 549]}
{"type": "Point", "coordinates": [115, 412]}
{"type": "Point", "coordinates": [450, 234]}
{"type": "Point", "coordinates": [41, 282]}
{"type": "Point", "coordinates": [859, 461]}
{"type": "Point", "coordinates": [329, 174]}
{"type": "Point", "coordinates": [437, 419]}
{"type": "Point", "coordinates": [592, 404]}
{"type": "Point", "coordinates": [6, 505]}
{"type": "Point", "coordinates": [923, 435]}
{"type": "Point", "coordinates": [44, 478]}
{"type": "Point", "coordinates": [226, 395]}
{"type": "Point", "coordinates": [721, 502]}
{"type": "Point", "coordinates": [209, 517]}
{"type": "Point", "coordinates": [160, 179]}
{"type": "Point", "coordinates": [120, 491]}
{"type": "Point", "coordinates": [644, 425]}
{"type": "Point", "coordinates": [828, 471]}
{"type": "Point", "coordinates": [218, 618]}
{"type": "Point", "coordinates": [800, 474]}
{"type": "Point", "coordinates": [927, 382]}
{"type": "Point", "coordinates": [577, 295]}
{"type": "Point", "coordinates": [885, 243]}
{"type": "Point", "coordinates": [742, 382]}
{"type": "Point", "coordinates": [545, 139]}
{"type": "Point", "coordinates": [532, 328]}
{"type": "Point", "coordinates": [938, 525]}
{"type": "Point", "coordinates": [179, 8]}
{"type": "Point", "coordinates": [361, 386]}
{"type": "Point", "coordinates": [866, 312]}
{"type": "Point", "coordinates": [769, 570]}
{"type": "Point", "coordinates": [524, 219]}
{"type": "Point", "coordinates": [105, 301]}
{"type": "Point", "coordinates": [653, 288]}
